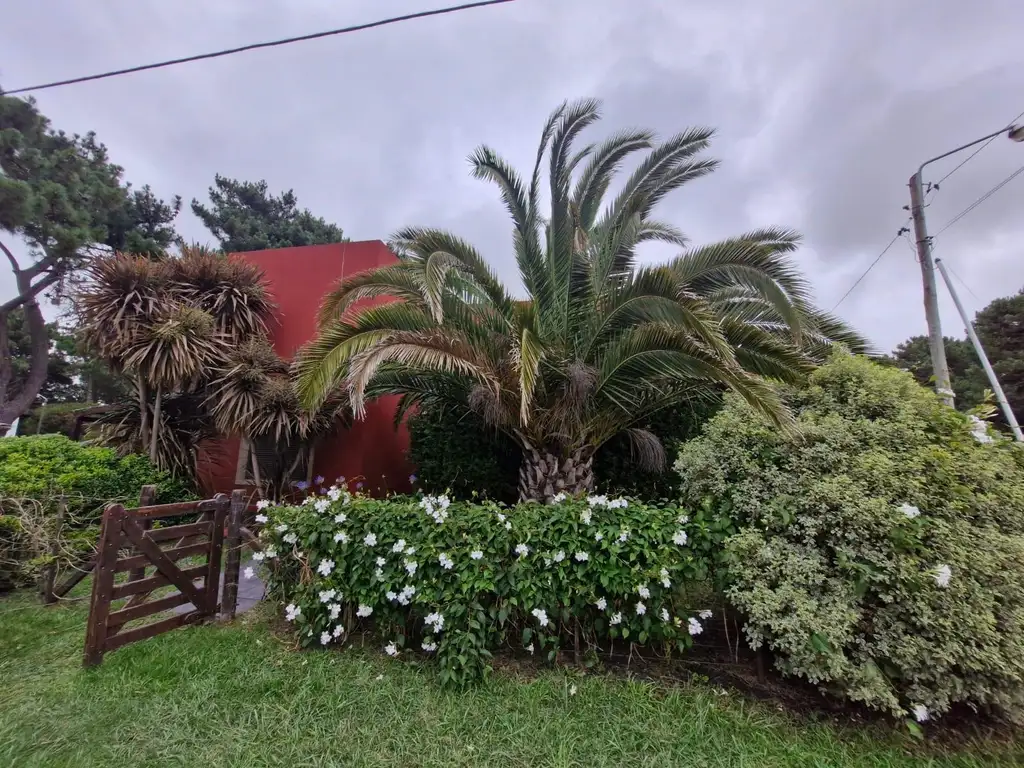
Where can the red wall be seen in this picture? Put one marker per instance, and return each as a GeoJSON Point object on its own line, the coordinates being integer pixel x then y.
{"type": "Point", "coordinates": [372, 451]}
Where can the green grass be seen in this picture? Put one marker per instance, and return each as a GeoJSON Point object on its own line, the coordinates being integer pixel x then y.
{"type": "Point", "coordinates": [235, 695]}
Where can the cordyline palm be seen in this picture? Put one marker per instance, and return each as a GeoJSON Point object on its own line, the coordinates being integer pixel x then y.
{"type": "Point", "coordinates": [603, 343]}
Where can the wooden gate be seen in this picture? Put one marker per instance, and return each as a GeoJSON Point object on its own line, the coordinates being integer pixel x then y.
{"type": "Point", "coordinates": [128, 544]}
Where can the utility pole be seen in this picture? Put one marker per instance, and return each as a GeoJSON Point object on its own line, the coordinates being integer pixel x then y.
{"type": "Point", "coordinates": [1004, 404]}
{"type": "Point", "coordinates": [924, 255]}
{"type": "Point", "coordinates": [931, 302]}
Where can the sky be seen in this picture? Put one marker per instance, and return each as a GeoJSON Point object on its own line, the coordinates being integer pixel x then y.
{"type": "Point", "coordinates": [823, 110]}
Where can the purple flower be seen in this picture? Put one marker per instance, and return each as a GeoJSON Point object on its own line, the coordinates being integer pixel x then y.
{"type": "Point", "coordinates": [412, 479]}
{"type": "Point", "coordinates": [340, 480]}
{"type": "Point", "coordinates": [359, 485]}
{"type": "Point", "coordinates": [319, 479]}
{"type": "Point", "coordinates": [302, 485]}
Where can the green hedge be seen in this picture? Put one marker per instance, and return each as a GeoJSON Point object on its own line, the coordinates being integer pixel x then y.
{"type": "Point", "coordinates": [537, 579]}
{"type": "Point", "coordinates": [35, 471]}
{"type": "Point", "coordinates": [58, 419]}
{"type": "Point", "coordinates": [883, 550]}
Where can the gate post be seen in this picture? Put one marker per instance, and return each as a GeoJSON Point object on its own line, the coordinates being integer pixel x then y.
{"type": "Point", "coordinates": [233, 543]}
{"type": "Point", "coordinates": [146, 498]}
{"type": "Point", "coordinates": [103, 584]}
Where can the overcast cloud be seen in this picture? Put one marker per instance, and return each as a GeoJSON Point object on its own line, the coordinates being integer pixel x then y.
{"type": "Point", "coordinates": [823, 111]}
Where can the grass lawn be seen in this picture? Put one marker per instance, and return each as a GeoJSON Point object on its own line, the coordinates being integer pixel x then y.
{"type": "Point", "coordinates": [235, 695]}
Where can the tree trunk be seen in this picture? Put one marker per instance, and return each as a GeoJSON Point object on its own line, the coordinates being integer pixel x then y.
{"type": "Point", "coordinates": [542, 475]}
{"type": "Point", "coordinates": [156, 425]}
{"type": "Point", "coordinates": [13, 405]}
{"type": "Point", "coordinates": [143, 413]}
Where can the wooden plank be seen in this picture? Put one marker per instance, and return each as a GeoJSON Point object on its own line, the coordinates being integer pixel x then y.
{"type": "Point", "coordinates": [103, 585]}
{"type": "Point", "coordinates": [250, 538]}
{"type": "Point", "coordinates": [146, 498]}
{"type": "Point", "coordinates": [154, 629]}
{"type": "Point", "coordinates": [80, 572]}
{"type": "Point", "coordinates": [117, 618]}
{"type": "Point", "coordinates": [154, 582]}
{"type": "Point", "coordinates": [179, 531]}
{"type": "Point", "coordinates": [213, 561]}
{"type": "Point", "coordinates": [164, 564]}
{"type": "Point", "coordinates": [141, 561]}
{"type": "Point", "coordinates": [233, 560]}
{"type": "Point", "coordinates": [165, 510]}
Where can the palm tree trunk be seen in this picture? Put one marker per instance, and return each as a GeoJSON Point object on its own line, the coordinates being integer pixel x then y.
{"type": "Point", "coordinates": [156, 425]}
{"type": "Point", "coordinates": [542, 475]}
{"type": "Point", "coordinates": [143, 413]}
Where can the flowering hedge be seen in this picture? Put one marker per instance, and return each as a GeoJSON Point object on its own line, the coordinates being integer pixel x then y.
{"type": "Point", "coordinates": [460, 580]}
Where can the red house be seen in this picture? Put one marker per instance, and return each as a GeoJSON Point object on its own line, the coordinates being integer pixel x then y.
{"type": "Point", "coordinates": [372, 451]}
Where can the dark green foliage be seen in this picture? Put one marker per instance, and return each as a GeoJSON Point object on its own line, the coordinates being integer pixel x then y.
{"type": "Point", "coordinates": [143, 224]}
{"type": "Point", "coordinates": [58, 419]}
{"type": "Point", "coordinates": [244, 216]}
{"type": "Point", "coordinates": [966, 375]}
{"type": "Point", "coordinates": [850, 520]}
{"type": "Point", "coordinates": [60, 384]}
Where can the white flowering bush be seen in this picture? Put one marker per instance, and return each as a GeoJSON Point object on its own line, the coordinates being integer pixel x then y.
{"type": "Point", "coordinates": [459, 580]}
{"type": "Point", "coordinates": [882, 550]}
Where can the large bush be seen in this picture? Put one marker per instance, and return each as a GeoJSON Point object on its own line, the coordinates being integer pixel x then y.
{"type": "Point", "coordinates": [882, 554]}
{"type": "Point", "coordinates": [462, 579]}
{"type": "Point", "coordinates": [36, 471]}
{"type": "Point", "coordinates": [58, 419]}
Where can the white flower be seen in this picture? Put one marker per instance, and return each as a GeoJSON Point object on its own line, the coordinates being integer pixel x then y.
{"type": "Point", "coordinates": [364, 610]}
{"type": "Point", "coordinates": [308, 500]}
{"type": "Point", "coordinates": [411, 566]}
{"type": "Point", "coordinates": [445, 561]}
{"type": "Point", "coordinates": [572, 690]}
{"type": "Point", "coordinates": [920, 712]}
{"type": "Point", "coordinates": [335, 609]}
{"type": "Point", "coordinates": [705, 614]}
{"type": "Point", "coordinates": [322, 505]}
{"type": "Point", "coordinates": [370, 540]}
{"type": "Point", "coordinates": [615, 619]}
{"type": "Point", "coordinates": [290, 538]}
{"type": "Point", "coordinates": [390, 596]}
{"type": "Point", "coordinates": [340, 518]}
{"type": "Point", "coordinates": [410, 550]}
{"type": "Point", "coordinates": [501, 518]}
{"type": "Point", "coordinates": [292, 612]}
{"type": "Point", "coordinates": [380, 562]}
{"type": "Point", "coordinates": [399, 546]}
{"type": "Point", "coordinates": [664, 614]}
{"type": "Point", "coordinates": [601, 604]}
{"type": "Point", "coordinates": [476, 554]}
{"type": "Point", "coordinates": [683, 519]}
{"type": "Point", "coordinates": [643, 591]}
{"type": "Point", "coordinates": [261, 518]}
{"type": "Point", "coordinates": [390, 649]}
{"type": "Point", "coordinates": [429, 646]}
{"type": "Point", "coordinates": [666, 582]}
{"type": "Point", "coordinates": [581, 557]}
{"type": "Point", "coordinates": [326, 595]}
{"type": "Point", "coordinates": [325, 638]}
{"type": "Point", "coordinates": [341, 536]}
{"type": "Point", "coordinates": [909, 510]}
{"type": "Point", "coordinates": [597, 501]}
{"type": "Point", "coordinates": [530, 648]}
{"type": "Point", "coordinates": [334, 493]}
{"type": "Point", "coordinates": [942, 575]}
{"type": "Point", "coordinates": [641, 609]}
{"type": "Point", "coordinates": [508, 526]}
{"type": "Point", "coordinates": [618, 504]}
{"type": "Point", "coordinates": [379, 574]}
{"type": "Point", "coordinates": [325, 567]}
{"type": "Point", "coordinates": [694, 627]}
{"type": "Point", "coordinates": [248, 573]}
{"type": "Point", "coordinates": [680, 538]}
{"type": "Point", "coordinates": [598, 536]}
{"type": "Point", "coordinates": [258, 556]}
{"type": "Point", "coordinates": [405, 596]}
{"type": "Point", "coordinates": [547, 562]}
{"type": "Point", "coordinates": [270, 552]}
{"type": "Point", "coordinates": [558, 498]}
{"type": "Point", "coordinates": [586, 516]}
{"type": "Point", "coordinates": [541, 616]}
{"type": "Point", "coordinates": [435, 620]}
{"type": "Point", "coordinates": [338, 630]}
{"type": "Point", "coordinates": [281, 528]}
{"type": "Point", "coordinates": [623, 535]}
{"type": "Point", "coordinates": [522, 550]}
{"type": "Point", "coordinates": [979, 430]}
{"type": "Point", "coordinates": [262, 504]}
{"type": "Point", "coordinates": [559, 556]}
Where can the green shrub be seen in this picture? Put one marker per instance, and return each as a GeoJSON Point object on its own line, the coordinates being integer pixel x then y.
{"type": "Point", "coordinates": [591, 572]}
{"type": "Point", "coordinates": [853, 522]}
{"type": "Point", "coordinates": [58, 419]}
{"type": "Point", "coordinates": [459, 454]}
{"type": "Point", "coordinates": [35, 471]}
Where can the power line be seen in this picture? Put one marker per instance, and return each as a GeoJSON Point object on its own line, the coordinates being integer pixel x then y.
{"type": "Point", "coordinates": [981, 200]}
{"type": "Point", "coordinates": [255, 46]}
{"type": "Point", "coordinates": [971, 156]}
{"type": "Point", "coordinates": [878, 258]}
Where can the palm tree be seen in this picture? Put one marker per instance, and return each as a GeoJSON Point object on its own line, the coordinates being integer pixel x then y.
{"type": "Point", "coordinates": [603, 343]}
